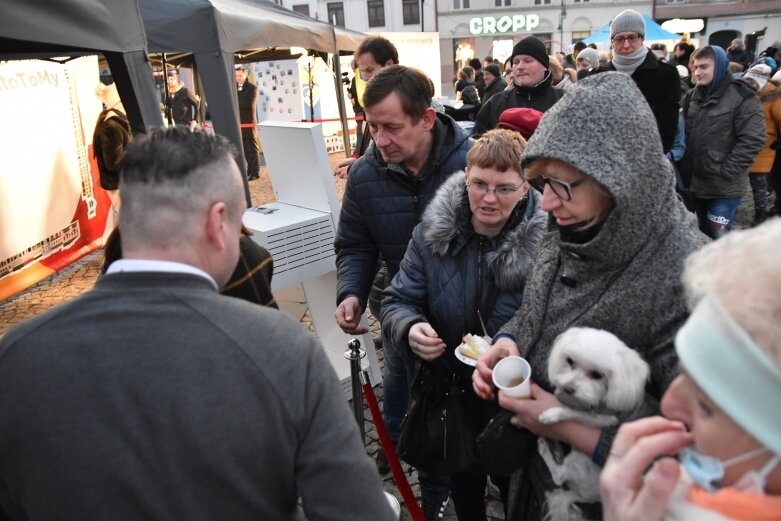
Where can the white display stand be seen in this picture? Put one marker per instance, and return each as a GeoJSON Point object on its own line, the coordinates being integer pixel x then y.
{"type": "Point", "coordinates": [299, 230]}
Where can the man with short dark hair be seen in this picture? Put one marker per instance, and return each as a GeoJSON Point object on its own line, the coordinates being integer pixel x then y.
{"type": "Point", "coordinates": [414, 150]}
{"type": "Point", "coordinates": [154, 397]}
{"type": "Point", "coordinates": [248, 105]}
{"type": "Point", "coordinates": [571, 60]}
{"type": "Point", "coordinates": [373, 54]}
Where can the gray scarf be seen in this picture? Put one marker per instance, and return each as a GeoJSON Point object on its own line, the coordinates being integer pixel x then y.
{"type": "Point", "coordinates": [628, 64]}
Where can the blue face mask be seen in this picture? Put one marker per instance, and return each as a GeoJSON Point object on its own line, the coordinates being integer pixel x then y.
{"type": "Point", "coordinates": [707, 471]}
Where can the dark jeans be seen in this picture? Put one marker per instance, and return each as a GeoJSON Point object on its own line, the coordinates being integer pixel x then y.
{"type": "Point", "coordinates": [759, 190]}
{"type": "Point", "coordinates": [716, 215]}
{"type": "Point", "coordinates": [250, 144]}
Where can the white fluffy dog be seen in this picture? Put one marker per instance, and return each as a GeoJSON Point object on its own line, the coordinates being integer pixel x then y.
{"type": "Point", "coordinates": [598, 380]}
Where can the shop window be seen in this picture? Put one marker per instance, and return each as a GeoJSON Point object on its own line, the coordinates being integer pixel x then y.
{"type": "Point", "coordinates": [541, 2]}
{"type": "Point", "coordinates": [580, 35]}
{"type": "Point", "coordinates": [461, 4]}
{"type": "Point", "coordinates": [411, 11]}
{"type": "Point", "coordinates": [376, 13]}
{"type": "Point", "coordinates": [336, 13]}
{"type": "Point", "coordinates": [301, 9]}
{"type": "Point", "coordinates": [503, 3]}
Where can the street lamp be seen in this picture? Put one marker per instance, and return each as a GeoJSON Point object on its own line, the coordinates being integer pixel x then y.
{"type": "Point", "coordinates": [562, 16]}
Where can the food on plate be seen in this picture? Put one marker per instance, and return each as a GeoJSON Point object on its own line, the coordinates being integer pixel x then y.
{"type": "Point", "coordinates": [474, 346]}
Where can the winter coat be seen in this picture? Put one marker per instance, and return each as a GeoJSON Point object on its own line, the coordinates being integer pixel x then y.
{"type": "Point", "coordinates": [468, 90]}
{"type": "Point", "coordinates": [182, 106]}
{"type": "Point", "coordinates": [111, 136]}
{"type": "Point", "coordinates": [770, 97]}
{"type": "Point", "coordinates": [723, 136]}
{"type": "Point", "coordinates": [541, 97]}
{"type": "Point", "coordinates": [383, 202]}
{"type": "Point", "coordinates": [660, 83]}
{"type": "Point", "coordinates": [627, 278]}
{"type": "Point", "coordinates": [450, 271]}
{"type": "Point", "coordinates": [495, 87]}
{"type": "Point", "coordinates": [248, 106]}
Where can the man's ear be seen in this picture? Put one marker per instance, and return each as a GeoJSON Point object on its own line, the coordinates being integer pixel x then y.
{"type": "Point", "coordinates": [429, 118]}
{"type": "Point", "coordinates": [388, 63]}
{"type": "Point", "coordinates": [216, 223]}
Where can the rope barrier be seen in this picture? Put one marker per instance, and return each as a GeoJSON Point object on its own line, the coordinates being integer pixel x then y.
{"type": "Point", "coordinates": [415, 512]}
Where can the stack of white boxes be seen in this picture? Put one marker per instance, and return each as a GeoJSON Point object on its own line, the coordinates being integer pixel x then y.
{"type": "Point", "coordinates": [299, 230]}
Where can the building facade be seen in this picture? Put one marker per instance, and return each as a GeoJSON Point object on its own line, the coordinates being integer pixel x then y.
{"type": "Point", "coordinates": [756, 22]}
{"type": "Point", "coordinates": [371, 16]}
{"type": "Point", "coordinates": [479, 28]}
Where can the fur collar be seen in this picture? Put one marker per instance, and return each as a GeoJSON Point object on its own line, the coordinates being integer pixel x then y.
{"type": "Point", "coordinates": [446, 228]}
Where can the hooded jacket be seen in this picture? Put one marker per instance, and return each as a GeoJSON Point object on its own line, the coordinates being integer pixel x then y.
{"type": "Point", "coordinates": [770, 97]}
{"type": "Point", "coordinates": [541, 97]}
{"type": "Point", "coordinates": [450, 271]}
{"type": "Point", "coordinates": [382, 203]}
{"type": "Point", "coordinates": [725, 130]}
{"type": "Point", "coordinates": [627, 278]}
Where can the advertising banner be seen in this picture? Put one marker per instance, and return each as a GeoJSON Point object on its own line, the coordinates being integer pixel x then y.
{"type": "Point", "coordinates": [52, 209]}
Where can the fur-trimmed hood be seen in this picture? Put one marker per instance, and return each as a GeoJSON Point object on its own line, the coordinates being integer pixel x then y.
{"type": "Point", "coordinates": [447, 227]}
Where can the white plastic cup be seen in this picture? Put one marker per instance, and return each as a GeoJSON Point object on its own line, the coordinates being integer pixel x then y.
{"type": "Point", "coordinates": [512, 375]}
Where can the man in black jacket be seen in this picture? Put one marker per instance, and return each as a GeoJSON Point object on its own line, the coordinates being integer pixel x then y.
{"type": "Point", "coordinates": [414, 150]}
{"type": "Point", "coordinates": [533, 88]}
{"type": "Point", "coordinates": [248, 104]}
{"type": "Point", "coordinates": [659, 82]}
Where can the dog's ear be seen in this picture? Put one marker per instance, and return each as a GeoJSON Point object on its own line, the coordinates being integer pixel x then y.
{"type": "Point", "coordinates": [626, 386]}
{"type": "Point", "coordinates": [557, 360]}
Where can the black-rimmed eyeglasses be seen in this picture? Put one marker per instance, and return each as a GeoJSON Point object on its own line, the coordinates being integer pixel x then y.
{"type": "Point", "coordinates": [562, 190]}
{"type": "Point", "coordinates": [481, 188]}
{"type": "Point", "coordinates": [632, 38]}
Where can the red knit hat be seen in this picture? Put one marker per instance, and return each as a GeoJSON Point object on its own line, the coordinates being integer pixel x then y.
{"type": "Point", "coordinates": [521, 120]}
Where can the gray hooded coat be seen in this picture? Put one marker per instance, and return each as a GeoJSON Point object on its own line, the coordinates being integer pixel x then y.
{"type": "Point", "coordinates": [626, 279]}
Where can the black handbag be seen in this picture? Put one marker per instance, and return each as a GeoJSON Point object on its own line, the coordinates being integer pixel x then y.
{"type": "Point", "coordinates": [503, 448]}
{"type": "Point", "coordinates": [438, 431]}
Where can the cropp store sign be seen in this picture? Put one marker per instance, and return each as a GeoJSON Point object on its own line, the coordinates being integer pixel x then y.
{"type": "Point", "coordinates": [505, 24]}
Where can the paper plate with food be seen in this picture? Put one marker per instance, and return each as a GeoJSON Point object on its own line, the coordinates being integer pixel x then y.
{"type": "Point", "coordinates": [472, 347]}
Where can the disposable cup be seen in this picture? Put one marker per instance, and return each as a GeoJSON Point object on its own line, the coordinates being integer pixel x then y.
{"type": "Point", "coordinates": [512, 375]}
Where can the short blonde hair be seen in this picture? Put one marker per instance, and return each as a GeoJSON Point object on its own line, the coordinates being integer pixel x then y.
{"type": "Point", "coordinates": [500, 149]}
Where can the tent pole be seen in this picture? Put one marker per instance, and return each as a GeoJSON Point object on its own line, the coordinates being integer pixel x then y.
{"type": "Point", "coordinates": [340, 98]}
{"type": "Point", "coordinates": [168, 109]}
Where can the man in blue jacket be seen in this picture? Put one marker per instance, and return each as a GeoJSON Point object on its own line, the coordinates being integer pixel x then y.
{"type": "Point", "coordinates": [414, 150]}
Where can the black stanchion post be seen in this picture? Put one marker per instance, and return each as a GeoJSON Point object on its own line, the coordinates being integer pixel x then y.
{"type": "Point", "coordinates": [354, 354]}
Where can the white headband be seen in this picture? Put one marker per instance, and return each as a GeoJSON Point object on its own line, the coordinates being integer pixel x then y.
{"type": "Point", "coordinates": [732, 370]}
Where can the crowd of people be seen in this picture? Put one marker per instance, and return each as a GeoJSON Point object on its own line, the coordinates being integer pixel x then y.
{"type": "Point", "coordinates": [594, 192]}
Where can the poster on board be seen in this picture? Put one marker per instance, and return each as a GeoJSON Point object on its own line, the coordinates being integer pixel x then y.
{"type": "Point", "coordinates": [52, 209]}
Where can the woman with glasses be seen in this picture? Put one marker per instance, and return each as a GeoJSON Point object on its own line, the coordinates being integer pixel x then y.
{"type": "Point", "coordinates": [658, 81]}
{"type": "Point", "coordinates": [464, 272]}
{"type": "Point", "coordinates": [610, 259]}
